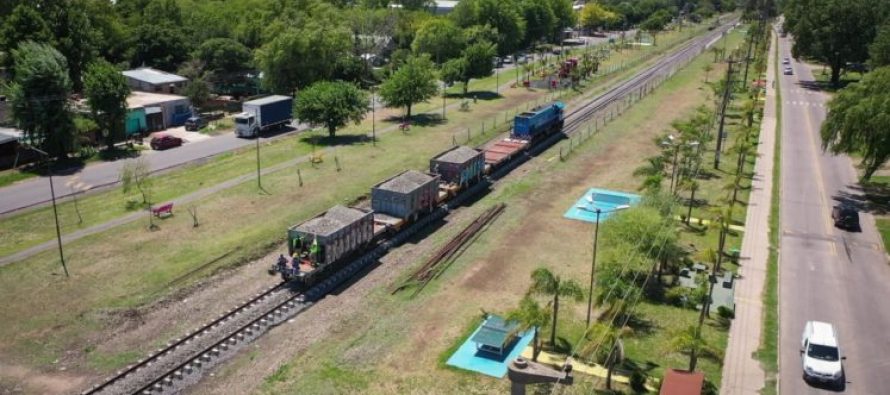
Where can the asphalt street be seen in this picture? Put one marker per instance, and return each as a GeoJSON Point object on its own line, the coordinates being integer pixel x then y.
{"type": "Point", "coordinates": [826, 274]}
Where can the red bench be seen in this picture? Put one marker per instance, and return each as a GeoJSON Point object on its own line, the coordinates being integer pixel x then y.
{"type": "Point", "coordinates": [166, 210]}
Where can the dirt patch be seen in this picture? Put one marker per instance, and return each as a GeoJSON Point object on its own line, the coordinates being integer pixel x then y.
{"type": "Point", "coordinates": [16, 379]}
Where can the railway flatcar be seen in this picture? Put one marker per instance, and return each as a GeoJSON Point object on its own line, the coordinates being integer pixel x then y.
{"type": "Point", "coordinates": [458, 168]}
{"type": "Point", "coordinates": [402, 199]}
{"type": "Point", "coordinates": [316, 246]}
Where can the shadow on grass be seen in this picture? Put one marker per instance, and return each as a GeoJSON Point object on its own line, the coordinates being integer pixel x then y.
{"type": "Point", "coordinates": [418, 120]}
{"type": "Point", "coordinates": [479, 95]}
{"type": "Point", "coordinates": [325, 140]}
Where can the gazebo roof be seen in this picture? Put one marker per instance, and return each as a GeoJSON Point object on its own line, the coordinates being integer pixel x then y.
{"type": "Point", "coordinates": [495, 332]}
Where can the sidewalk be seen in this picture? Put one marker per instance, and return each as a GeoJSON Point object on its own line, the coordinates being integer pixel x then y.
{"type": "Point", "coordinates": [742, 374]}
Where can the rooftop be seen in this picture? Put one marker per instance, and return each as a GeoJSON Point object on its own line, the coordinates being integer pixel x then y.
{"type": "Point", "coordinates": [495, 332]}
{"type": "Point", "coordinates": [153, 76]}
{"type": "Point", "coordinates": [266, 100]}
{"type": "Point", "coordinates": [406, 182]}
{"type": "Point", "coordinates": [459, 154]}
{"type": "Point", "coordinates": [8, 135]}
{"type": "Point", "coordinates": [678, 382]}
{"type": "Point", "coordinates": [823, 333]}
{"type": "Point", "coordinates": [141, 99]}
{"type": "Point", "coordinates": [332, 220]}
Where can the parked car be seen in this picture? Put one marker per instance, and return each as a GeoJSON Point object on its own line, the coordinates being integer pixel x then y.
{"type": "Point", "coordinates": [522, 59]}
{"type": "Point", "coordinates": [164, 141]}
{"type": "Point", "coordinates": [508, 60]}
{"type": "Point", "coordinates": [845, 217]}
{"type": "Point", "coordinates": [789, 71]}
{"type": "Point", "coordinates": [820, 353]}
{"type": "Point", "coordinates": [786, 61]}
{"type": "Point", "coordinates": [194, 124]}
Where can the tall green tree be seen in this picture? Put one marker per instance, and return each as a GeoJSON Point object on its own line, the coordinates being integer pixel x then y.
{"type": "Point", "coordinates": [879, 50]}
{"type": "Point", "coordinates": [690, 341]}
{"type": "Point", "coordinates": [505, 16]}
{"type": "Point", "coordinates": [834, 32]}
{"type": "Point", "coordinates": [224, 55]}
{"type": "Point", "coordinates": [440, 38]}
{"type": "Point", "coordinates": [412, 83]}
{"type": "Point", "coordinates": [531, 315]}
{"type": "Point", "coordinates": [332, 104]}
{"type": "Point", "coordinates": [594, 16]}
{"type": "Point", "coordinates": [544, 282]}
{"type": "Point", "coordinates": [298, 57]}
{"type": "Point", "coordinates": [24, 24]}
{"type": "Point", "coordinates": [565, 17]}
{"type": "Point", "coordinates": [540, 21]}
{"type": "Point", "coordinates": [39, 95]}
{"type": "Point", "coordinates": [75, 38]}
{"type": "Point", "coordinates": [198, 90]}
{"type": "Point", "coordinates": [162, 46]}
{"type": "Point", "coordinates": [475, 62]}
{"type": "Point", "coordinates": [857, 121]}
{"type": "Point", "coordinates": [106, 91]}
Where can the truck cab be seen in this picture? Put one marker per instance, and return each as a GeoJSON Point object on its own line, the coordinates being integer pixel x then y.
{"type": "Point", "coordinates": [246, 125]}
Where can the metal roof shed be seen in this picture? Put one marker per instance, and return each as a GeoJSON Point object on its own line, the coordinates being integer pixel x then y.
{"type": "Point", "coordinates": [495, 335]}
{"type": "Point", "coordinates": [405, 195]}
{"type": "Point", "coordinates": [338, 232]}
{"type": "Point", "coordinates": [459, 165]}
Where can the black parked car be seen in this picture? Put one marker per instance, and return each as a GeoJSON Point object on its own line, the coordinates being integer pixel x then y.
{"type": "Point", "coordinates": [194, 124]}
{"type": "Point", "coordinates": [845, 217]}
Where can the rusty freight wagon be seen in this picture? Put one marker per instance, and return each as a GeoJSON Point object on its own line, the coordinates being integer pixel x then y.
{"type": "Point", "coordinates": [329, 237]}
{"type": "Point", "coordinates": [457, 168]}
{"type": "Point", "coordinates": [403, 198]}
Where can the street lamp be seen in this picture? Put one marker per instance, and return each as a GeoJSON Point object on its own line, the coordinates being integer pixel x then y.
{"type": "Point", "coordinates": [596, 232]}
{"type": "Point", "coordinates": [52, 192]}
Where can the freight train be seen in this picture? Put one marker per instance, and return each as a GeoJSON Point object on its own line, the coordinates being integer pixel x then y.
{"type": "Point", "coordinates": [321, 246]}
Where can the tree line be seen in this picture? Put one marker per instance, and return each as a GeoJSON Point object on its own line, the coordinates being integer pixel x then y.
{"type": "Point", "coordinates": [51, 49]}
{"type": "Point", "coordinates": [851, 35]}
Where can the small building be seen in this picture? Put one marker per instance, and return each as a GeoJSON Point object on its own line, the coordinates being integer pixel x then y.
{"type": "Point", "coordinates": [496, 335]}
{"type": "Point", "coordinates": [147, 79]}
{"type": "Point", "coordinates": [459, 165]}
{"type": "Point", "coordinates": [406, 195]}
{"type": "Point", "coordinates": [443, 7]}
{"type": "Point", "coordinates": [336, 233]}
{"type": "Point", "coordinates": [149, 112]}
{"type": "Point", "coordinates": [678, 382]}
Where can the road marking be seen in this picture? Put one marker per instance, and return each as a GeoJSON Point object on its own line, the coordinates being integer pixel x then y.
{"type": "Point", "coordinates": [820, 183]}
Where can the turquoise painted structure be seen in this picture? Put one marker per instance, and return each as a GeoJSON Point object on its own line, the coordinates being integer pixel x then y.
{"type": "Point", "coordinates": [136, 121]}
{"type": "Point", "coordinates": [470, 357]}
{"type": "Point", "coordinates": [605, 200]}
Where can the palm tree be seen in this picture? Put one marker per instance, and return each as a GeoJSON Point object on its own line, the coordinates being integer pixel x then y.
{"type": "Point", "coordinates": [708, 68]}
{"type": "Point", "coordinates": [692, 186]}
{"type": "Point", "coordinates": [690, 341]}
{"type": "Point", "coordinates": [610, 338]}
{"type": "Point", "coordinates": [547, 283]}
{"type": "Point", "coordinates": [530, 315]}
{"type": "Point", "coordinates": [653, 170]}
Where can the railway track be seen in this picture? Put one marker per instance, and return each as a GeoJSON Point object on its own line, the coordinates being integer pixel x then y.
{"type": "Point", "coordinates": [182, 361]}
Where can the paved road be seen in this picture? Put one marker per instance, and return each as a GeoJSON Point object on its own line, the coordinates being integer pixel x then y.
{"type": "Point", "coordinates": [826, 274]}
{"type": "Point", "coordinates": [36, 190]}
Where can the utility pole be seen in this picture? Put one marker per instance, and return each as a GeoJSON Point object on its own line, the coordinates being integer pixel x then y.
{"type": "Point", "coordinates": [259, 181]}
{"type": "Point", "coordinates": [52, 191]}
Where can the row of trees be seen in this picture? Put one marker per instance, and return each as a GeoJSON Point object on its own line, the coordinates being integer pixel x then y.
{"type": "Point", "coordinates": [839, 33]}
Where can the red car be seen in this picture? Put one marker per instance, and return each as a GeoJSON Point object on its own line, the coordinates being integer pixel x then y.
{"type": "Point", "coordinates": [164, 141]}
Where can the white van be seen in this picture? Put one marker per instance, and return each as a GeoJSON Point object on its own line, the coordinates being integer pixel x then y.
{"type": "Point", "coordinates": [820, 353]}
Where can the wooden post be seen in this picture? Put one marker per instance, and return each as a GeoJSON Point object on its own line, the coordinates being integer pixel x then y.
{"type": "Point", "coordinates": [468, 132]}
{"type": "Point", "coordinates": [337, 162]}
